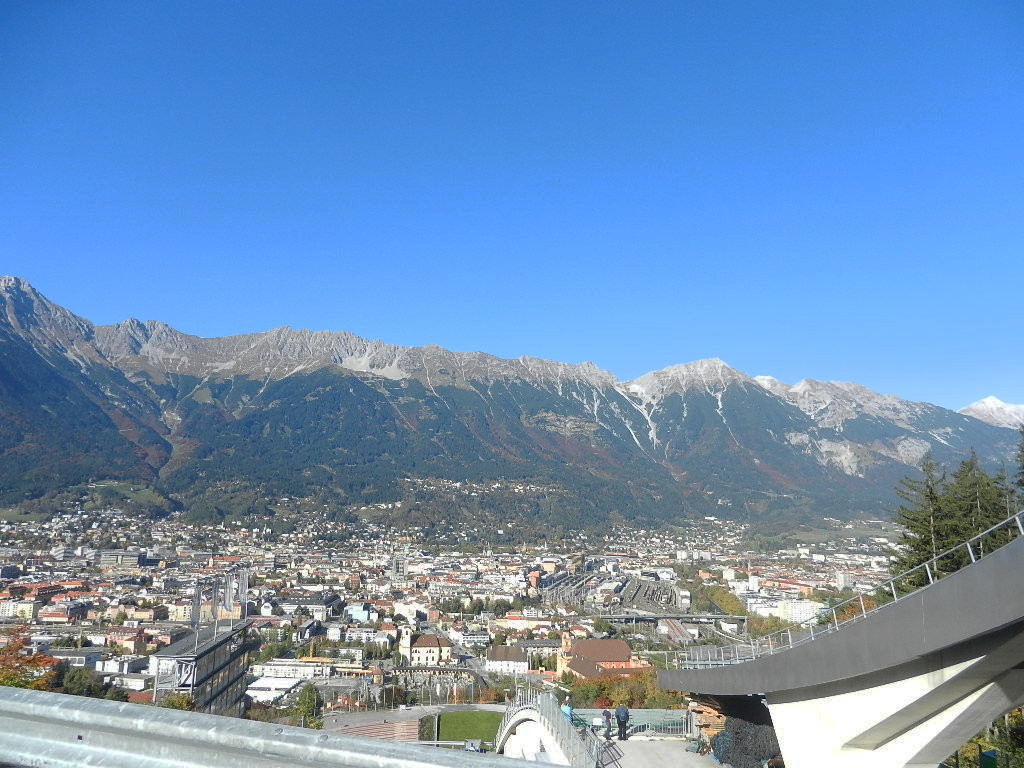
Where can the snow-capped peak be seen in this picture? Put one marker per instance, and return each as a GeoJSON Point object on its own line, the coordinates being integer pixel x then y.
{"type": "Point", "coordinates": [994, 411]}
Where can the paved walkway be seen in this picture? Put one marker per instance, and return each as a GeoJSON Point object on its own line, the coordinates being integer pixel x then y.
{"type": "Point", "coordinates": [654, 753]}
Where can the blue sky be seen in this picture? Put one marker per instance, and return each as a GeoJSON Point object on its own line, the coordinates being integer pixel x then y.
{"type": "Point", "coordinates": [823, 190]}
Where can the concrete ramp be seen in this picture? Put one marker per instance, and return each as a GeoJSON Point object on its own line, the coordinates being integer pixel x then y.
{"type": "Point", "coordinates": [903, 685]}
{"type": "Point", "coordinates": [535, 729]}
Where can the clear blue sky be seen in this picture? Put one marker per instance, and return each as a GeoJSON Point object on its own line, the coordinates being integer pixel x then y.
{"type": "Point", "coordinates": [826, 190]}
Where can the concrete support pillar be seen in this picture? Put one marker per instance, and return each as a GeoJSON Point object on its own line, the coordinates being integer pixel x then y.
{"type": "Point", "coordinates": [828, 728]}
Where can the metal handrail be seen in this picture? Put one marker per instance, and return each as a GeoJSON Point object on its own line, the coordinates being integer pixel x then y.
{"type": "Point", "coordinates": [682, 727]}
{"type": "Point", "coordinates": [580, 745]}
{"type": "Point", "coordinates": [828, 620]}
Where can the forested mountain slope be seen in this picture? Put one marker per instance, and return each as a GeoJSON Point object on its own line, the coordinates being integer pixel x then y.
{"type": "Point", "coordinates": [224, 424]}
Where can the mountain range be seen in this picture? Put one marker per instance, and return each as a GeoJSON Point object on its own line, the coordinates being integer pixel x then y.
{"type": "Point", "coordinates": [228, 423]}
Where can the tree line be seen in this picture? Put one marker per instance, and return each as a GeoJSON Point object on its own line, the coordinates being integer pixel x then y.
{"type": "Point", "coordinates": [943, 508]}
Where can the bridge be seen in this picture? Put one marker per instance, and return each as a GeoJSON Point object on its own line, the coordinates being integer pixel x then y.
{"type": "Point", "coordinates": [899, 680]}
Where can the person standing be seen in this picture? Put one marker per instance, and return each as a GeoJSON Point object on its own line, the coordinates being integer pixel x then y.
{"type": "Point", "coordinates": [622, 717]}
{"type": "Point", "coordinates": [607, 725]}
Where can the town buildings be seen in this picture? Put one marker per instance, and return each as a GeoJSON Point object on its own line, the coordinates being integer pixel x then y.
{"type": "Point", "coordinates": [369, 599]}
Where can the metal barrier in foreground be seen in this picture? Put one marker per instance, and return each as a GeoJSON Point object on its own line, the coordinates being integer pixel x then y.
{"type": "Point", "coordinates": [52, 730]}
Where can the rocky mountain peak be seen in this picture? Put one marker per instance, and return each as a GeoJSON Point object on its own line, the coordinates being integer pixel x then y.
{"type": "Point", "coordinates": [10, 282]}
{"type": "Point", "coordinates": [711, 375]}
{"type": "Point", "coordinates": [284, 351]}
{"type": "Point", "coordinates": [31, 315]}
{"type": "Point", "coordinates": [831, 403]}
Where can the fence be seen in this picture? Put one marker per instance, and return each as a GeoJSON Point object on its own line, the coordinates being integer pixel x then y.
{"type": "Point", "coordinates": [663, 722]}
{"type": "Point", "coordinates": [857, 608]}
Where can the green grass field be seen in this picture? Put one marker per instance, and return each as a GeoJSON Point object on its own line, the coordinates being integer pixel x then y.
{"type": "Point", "coordinates": [458, 726]}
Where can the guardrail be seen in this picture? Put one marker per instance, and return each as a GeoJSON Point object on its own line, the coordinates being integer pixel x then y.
{"type": "Point", "coordinates": [580, 745]}
{"type": "Point", "coordinates": [680, 729]}
{"type": "Point", "coordinates": [52, 730]}
{"type": "Point", "coordinates": [663, 722]}
{"type": "Point", "coordinates": [856, 608]}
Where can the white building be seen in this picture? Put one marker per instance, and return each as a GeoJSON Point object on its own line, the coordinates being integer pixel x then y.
{"type": "Point", "coordinates": [797, 611]}
{"type": "Point", "coordinates": [269, 689]}
{"type": "Point", "coordinates": [471, 637]}
{"type": "Point", "coordinates": [356, 634]}
{"type": "Point", "coordinates": [507, 660]}
{"type": "Point", "coordinates": [123, 665]}
{"type": "Point", "coordinates": [302, 670]}
{"type": "Point", "coordinates": [20, 609]}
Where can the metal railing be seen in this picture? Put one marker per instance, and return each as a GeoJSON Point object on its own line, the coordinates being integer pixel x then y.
{"type": "Point", "coordinates": [662, 722]}
{"type": "Point", "coordinates": [857, 608]}
{"type": "Point", "coordinates": [682, 728]}
{"type": "Point", "coordinates": [581, 747]}
{"type": "Point", "coordinates": [52, 730]}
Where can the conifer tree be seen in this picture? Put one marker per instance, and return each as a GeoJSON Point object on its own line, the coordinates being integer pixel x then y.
{"type": "Point", "coordinates": [926, 520]}
{"type": "Point", "coordinates": [1007, 492]}
{"type": "Point", "coordinates": [974, 500]}
{"type": "Point", "coordinates": [938, 513]}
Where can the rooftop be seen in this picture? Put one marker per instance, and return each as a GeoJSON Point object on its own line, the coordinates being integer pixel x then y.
{"type": "Point", "coordinates": [209, 638]}
{"type": "Point", "coordinates": [602, 650]}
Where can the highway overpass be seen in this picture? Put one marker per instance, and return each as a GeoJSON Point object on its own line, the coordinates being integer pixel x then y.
{"type": "Point", "coordinates": [691, 618]}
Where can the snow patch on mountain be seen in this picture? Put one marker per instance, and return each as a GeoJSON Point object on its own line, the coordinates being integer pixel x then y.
{"type": "Point", "coordinates": [994, 411]}
{"type": "Point", "coordinates": [365, 364]}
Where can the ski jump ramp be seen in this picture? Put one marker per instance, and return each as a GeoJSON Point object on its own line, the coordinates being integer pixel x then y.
{"type": "Point", "coordinates": [904, 684]}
